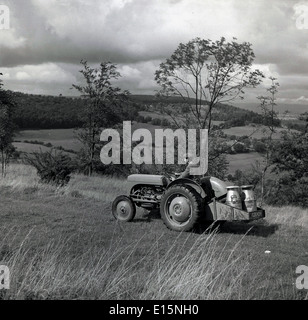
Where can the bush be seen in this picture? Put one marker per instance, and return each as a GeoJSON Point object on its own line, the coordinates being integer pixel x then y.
{"type": "Point", "coordinates": [147, 119]}
{"type": "Point", "coordinates": [156, 122]}
{"type": "Point", "coordinates": [165, 123]}
{"type": "Point", "coordinates": [140, 118]}
{"type": "Point", "coordinates": [240, 148]}
{"type": "Point", "coordinates": [259, 146]}
{"type": "Point", "coordinates": [48, 145]}
{"type": "Point", "coordinates": [52, 166]}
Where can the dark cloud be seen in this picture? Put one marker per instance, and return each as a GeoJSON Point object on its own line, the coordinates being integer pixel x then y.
{"type": "Point", "coordinates": [137, 34]}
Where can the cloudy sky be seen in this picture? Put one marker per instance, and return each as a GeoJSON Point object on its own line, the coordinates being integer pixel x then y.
{"type": "Point", "coordinates": [46, 39]}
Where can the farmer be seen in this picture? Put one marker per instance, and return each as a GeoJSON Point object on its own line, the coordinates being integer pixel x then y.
{"type": "Point", "coordinates": [205, 180]}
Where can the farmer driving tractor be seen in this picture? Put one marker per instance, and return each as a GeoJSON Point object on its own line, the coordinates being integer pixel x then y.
{"type": "Point", "coordinates": [193, 162]}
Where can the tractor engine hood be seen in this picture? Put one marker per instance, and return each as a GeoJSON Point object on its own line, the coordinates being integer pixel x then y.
{"type": "Point", "coordinates": [149, 179]}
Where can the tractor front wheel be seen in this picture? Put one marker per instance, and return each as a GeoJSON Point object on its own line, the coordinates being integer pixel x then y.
{"type": "Point", "coordinates": [123, 209]}
{"type": "Point", "coordinates": [180, 208]}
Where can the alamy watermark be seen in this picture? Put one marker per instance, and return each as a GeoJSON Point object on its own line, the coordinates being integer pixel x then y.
{"type": "Point", "coordinates": [138, 147]}
{"type": "Point", "coordinates": [4, 277]}
{"type": "Point", "coordinates": [302, 280]}
{"type": "Point", "coordinates": [4, 17]}
{"type": "Point", "coordinates": [301, 15]}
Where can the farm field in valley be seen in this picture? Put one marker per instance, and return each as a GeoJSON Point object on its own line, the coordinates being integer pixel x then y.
{"type": "Point", "coordinates": [256, 132]}
{"type": "Point", "coordinates": [155, 115]}
{"type": "Point", "coordinates": [57, 137]}
{"type": "Point", "coordinates": [67, 139]}
{"type": "Point", "coordinates": [242, 161]}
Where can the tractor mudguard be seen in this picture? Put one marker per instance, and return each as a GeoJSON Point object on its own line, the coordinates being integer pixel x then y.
{"type": "Point", "coordinates": [188, 182]}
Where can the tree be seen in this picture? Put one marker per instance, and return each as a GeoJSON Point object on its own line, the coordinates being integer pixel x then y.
{"type": "Point", "coordinates": [290, 157]}
{"type": "Point", "coordinates": [7, 126]}
{"type": "Point", "coordinates": [204, 74]}
{"type": "Point", "coordinates": [304, 117]}
{"type": "Point", "coordinates": [206, 71]}
{"type": "Point", "coordinates": [239, 148]}
{"type": "Point", "coordinates": [259, 146]}
{"type": "Point", "coordinates": [103, 105]}
{"type": "Point", "coordinates": [271, 121]}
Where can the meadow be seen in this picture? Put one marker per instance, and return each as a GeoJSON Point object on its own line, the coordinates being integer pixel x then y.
{"type": "Point", "coordinates": [254, 131]}
{"type": "Point", "coordinates": [63, 243]}
{"type": "Point", "coordinates": [66, 138]}
{"type": "Point", "coordinates": [243, 161]}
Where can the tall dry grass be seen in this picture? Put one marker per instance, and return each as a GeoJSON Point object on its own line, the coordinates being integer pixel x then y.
{"type": "Point", "coordinates": [190, 268]}
{"type": "Point", "coordinates": [51, 272]}
{"type": "Point", "coordinates": [96, 187]}
{"type": "Point", "coordinates": [20, 177]}
{"type": "Point", "coordinates": [287, 216]}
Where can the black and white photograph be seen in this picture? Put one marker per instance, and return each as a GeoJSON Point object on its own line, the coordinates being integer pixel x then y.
{"type": "Point", "coordinates": [154, 153]}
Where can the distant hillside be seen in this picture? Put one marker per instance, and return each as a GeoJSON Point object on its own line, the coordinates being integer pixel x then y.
{"type": "Point", "coordinates": [52, 112]}
{"type": "Point", "coordinates": [58, 112]}
{"type": "Point", "coordinates": [47, 112]}
{"type": "Point", "coordinates": [293, 109]}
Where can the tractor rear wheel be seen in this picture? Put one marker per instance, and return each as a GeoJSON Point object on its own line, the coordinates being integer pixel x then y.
{"type": "Point", "coordinates": [123, 209]}
{"type": "Point", "coordinates": [180, 208]}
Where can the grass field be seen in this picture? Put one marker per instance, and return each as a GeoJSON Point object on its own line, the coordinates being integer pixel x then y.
{"type": "Point", "coordinates": [256, 132]}
{"type": "Point", "coordinates": [63, 243]}
{"type": "Point", "coordinates": [242, 161]}
{"type": "Point", "coordinates": [57, 137]}
{"type": "Point", "coordinates": [67, 139]}
{"type": "Point", "coordinates": [155, 115]}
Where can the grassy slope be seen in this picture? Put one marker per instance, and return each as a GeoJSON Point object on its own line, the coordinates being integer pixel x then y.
{"type": "Point", "coordinates": [64, 243]}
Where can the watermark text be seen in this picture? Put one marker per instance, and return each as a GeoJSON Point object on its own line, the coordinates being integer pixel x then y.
{"type": "Point", "coordinates": [4, 17]}
{"type": "Point", "coordinates": [140, 147]}
{"type": "Point", "coordinates": [301, 15]}
{"type": "Point", "coordinates": [302, 280]}
{"type": "Point", "coordinates": [4, 277]}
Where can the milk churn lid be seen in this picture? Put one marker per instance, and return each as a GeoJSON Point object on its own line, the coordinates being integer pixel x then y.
{"type": "Point", "coordinates": [233, 187]}
{"type": "Point", "coordinates": [247, 187]}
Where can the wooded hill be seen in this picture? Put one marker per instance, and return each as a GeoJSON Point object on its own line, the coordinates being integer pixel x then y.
{"type": "Point", "coordinates": [59, 112]}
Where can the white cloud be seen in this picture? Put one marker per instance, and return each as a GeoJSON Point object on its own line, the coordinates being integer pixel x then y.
{"type": "Point", "coordinates": [302, 99]}
{"type": "Point", "coordinates": [21, 75]}
{"type": "Point", "coordinates": [48, 72]}
{"type": "Point", "coordinates": [9, 39]}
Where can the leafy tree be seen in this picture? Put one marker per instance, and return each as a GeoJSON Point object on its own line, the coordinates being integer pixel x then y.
{"type": "Point", "coordinates": [156, 122]}
{"type": "Point", "coordinates": [205, 70]}
{"type": "Point", "coordinates": [304, 117]}
{"type": "Point", "coordinates": [7, 126]}
{"type": "Point", "coordinates": [204, 74]}
{"type": "Point", "coordinates": [103, 105]}
{"type": "Point", "coordinates": [259, 146]}
{"type": "Point", "coordinates": [148, 119]}
{"type": "Point", "coordinates": [290, 157]}
{"type": "Point", "coordinates": [270, 116]}
{"type": "Point", "coordinates": [165, 123]}
{"type": "Point", "coordinates": [240, 148]}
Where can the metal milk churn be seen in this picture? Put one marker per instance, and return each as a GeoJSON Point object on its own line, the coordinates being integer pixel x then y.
{"type": "Point", "coordinates": [234, 197]}
{"type": "Point", "coordinates": [249, 199]}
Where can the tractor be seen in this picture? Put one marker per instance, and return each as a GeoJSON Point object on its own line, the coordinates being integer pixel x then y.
{"type": "Point", "coordinates": [182, 202]}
